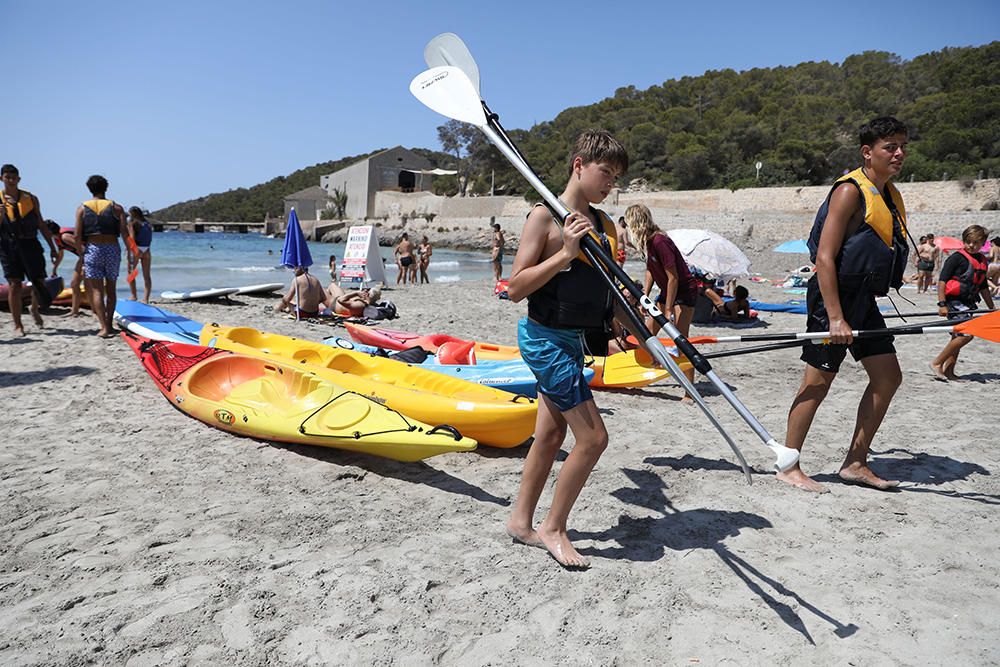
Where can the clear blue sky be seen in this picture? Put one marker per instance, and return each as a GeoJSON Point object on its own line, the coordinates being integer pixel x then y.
{"type": "Point", "coordinates": [175, 100]}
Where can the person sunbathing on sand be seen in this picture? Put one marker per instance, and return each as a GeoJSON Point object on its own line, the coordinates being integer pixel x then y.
{"type": "Point", "coordinates": [353, 303]}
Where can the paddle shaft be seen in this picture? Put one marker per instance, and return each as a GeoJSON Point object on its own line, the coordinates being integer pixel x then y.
{"type": "Point", "coordinates": [820, 340]}
{"type": "Point", "coordinates": [934, 313]}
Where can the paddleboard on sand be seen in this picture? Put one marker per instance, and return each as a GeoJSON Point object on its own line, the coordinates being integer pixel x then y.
{"type": "Point", "coordinates": [264, 288]}
{"type": "Point", "coordinates": [156, 323]}
{"type": "Point", "coordinates": [213, 293]}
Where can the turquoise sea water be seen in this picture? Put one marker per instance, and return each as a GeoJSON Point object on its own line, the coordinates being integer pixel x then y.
{"type": "Point", "coordinates": [186, 261]}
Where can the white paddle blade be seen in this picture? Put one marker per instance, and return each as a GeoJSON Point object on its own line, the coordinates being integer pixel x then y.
{"type": "Point", "coordinates": [448, 91]}
{"type": "Point", "coordinates": [449, 49]}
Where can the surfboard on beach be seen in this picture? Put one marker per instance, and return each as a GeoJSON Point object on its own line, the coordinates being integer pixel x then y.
{"type": "Point", "coordinates": [263, 288]}
{"type": "Point", "coordinates": [156, 323]}
{"type": "Point", "coordinates": [195, 295]}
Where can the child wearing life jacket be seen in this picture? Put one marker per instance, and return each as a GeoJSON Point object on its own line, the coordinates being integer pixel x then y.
{"type": "Point", "coordinates": [960, 286]}
{"type": "Point", "coordinates": [567, 298]}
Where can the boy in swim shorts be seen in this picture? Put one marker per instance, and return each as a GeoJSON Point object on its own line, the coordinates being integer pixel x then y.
{"type": "Point", "coordinates": [566, 298]}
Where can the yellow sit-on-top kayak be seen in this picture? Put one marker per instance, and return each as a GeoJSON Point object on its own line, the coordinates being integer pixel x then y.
{"type": "Point", "coordinates": [490, 416]}
{"type": "Point", "coordinates": [273, 400]}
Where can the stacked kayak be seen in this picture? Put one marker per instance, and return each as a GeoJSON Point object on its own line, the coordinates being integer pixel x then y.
{"type": "Point", "coordinates": [156, 323]}
{"type": "Point", "coordinates": [270, 400]}
{"type": "Point", "coordinates": [624, 369]}
{"type": "Point", "coordinates": [391, 339]}
{"type": "Point", "coordinates": [491, 416]}
{"type": "Point", "coordinates": [512, 375]}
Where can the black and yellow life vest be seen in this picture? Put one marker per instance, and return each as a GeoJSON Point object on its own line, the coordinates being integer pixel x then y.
{"type": "Point", "coordinates": [577, 297]}
{"type": "Point", "coordinates": [874, 256]}
{"type": "Point", "coordinates": [19, 219]}
{"type": "Point", "coordinates": [99, 217]}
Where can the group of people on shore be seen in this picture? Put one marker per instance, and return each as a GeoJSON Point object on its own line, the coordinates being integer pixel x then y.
{"type": "Point", "coordinates": [95, 239]}
{"type": "Point", "coordinates": [409, 259]}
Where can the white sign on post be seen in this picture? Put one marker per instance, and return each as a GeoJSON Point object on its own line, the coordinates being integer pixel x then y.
{"type": "Point", "coordinates": [362, 265]}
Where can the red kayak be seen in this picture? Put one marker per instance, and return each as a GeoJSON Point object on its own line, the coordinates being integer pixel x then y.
{"type": "Point", "coordinates": [391, 339]}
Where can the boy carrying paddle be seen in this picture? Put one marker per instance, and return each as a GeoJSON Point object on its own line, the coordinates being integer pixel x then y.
{"type": "Point", "coordinates": [566, 298]}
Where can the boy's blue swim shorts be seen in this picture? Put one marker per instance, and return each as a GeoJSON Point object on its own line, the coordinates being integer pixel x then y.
{"type": "Point", "coordinates": [555, 356]}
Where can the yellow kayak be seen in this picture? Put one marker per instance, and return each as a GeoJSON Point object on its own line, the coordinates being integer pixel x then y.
{"type": "Point", "coordinates": [491, 416]}
{"type": "Point", "coordinates": [271, 400]}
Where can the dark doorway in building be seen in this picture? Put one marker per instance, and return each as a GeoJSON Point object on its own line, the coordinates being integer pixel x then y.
{"type": "Point", "coordinates": [407, 181]}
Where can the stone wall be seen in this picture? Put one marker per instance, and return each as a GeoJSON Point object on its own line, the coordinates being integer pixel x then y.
{"type": "Point", "coordinates": [758, 218]}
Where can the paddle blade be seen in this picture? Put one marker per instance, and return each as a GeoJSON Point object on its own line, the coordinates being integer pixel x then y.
{"type": "Point", "coordinates": [132, 274]}
{"type": "Point", "coordinates": [449, 49]}
{"type": "Point", "coordinates": [986, 327]}
{"type": "Point", "coordinates": [448, 91]}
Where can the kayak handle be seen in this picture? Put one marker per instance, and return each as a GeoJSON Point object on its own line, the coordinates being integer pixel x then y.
{"type": "Point", "coordinates": [517, 396]}
{"type": "Point", "coordinates": [449, 429]}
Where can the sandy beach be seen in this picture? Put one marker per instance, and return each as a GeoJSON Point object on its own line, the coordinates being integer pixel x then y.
{"type": "Point", "coordinates": [133, 535]}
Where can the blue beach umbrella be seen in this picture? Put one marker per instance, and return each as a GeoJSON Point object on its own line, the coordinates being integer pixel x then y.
{"type": "Point", "coordinates": [295, 252]}
{"type": "Point", "coordinates": [797, 246]}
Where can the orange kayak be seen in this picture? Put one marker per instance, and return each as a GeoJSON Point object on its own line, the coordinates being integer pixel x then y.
{"type": "Point", "coordinates": [392, 339]}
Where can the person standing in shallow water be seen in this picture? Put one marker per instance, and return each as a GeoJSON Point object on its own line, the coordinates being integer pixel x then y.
{"type": "Point", "coordinates": [142, 232]}
{"type": "Point", "coordinates": [404, 257]}
{"type": "Point", "coordinates": [425, 250]}
{"type": "Point", "coordinates": [496, 252]}
{"type": "Point", "coordinates": [99, 224]}
{"type": "Point", "coordinates": [859, 246]}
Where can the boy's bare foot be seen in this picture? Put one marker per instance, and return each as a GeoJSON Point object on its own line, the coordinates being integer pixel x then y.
{"type": "Point", "coordinates": [19, 331]}
{"type": "Point", "coordinates": [855, 473]}
{"type": "Point", "coordinates": [561, 549]}
{"type": "Point", "coordinates": [795, 477]}
{"type": "Point", "coordinates": [526, 536]}
{"type": "Point", "coordinates": [37, 317]}
{"type": "Point", "coordinates": [938, 373]}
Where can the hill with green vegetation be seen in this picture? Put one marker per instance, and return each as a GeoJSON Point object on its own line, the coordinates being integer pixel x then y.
{"type": "Point", "coordinates": [709, 131]}
{"type": "Point", "coordinates": [801, 122]}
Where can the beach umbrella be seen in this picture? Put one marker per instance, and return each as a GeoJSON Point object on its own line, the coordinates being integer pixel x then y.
{"type": "Point", "coordinates": [798, 246]}
{"type": "Point", "coordinates": [295, 252]}
{"type": "Point", "coordinates": [711, 253]}
{"type": "Point", "coordinates": [948, 243]}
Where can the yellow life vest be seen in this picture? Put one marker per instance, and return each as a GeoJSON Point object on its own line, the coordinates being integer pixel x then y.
{"type": "Point", "coordinates": [20, 219]}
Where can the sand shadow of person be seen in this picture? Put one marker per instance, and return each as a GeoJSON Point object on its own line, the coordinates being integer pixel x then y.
{"type": "Point", "coordinates": [22, 378]}
{"type": "Point", "coordinates": [648, 539]}
{"type": "Point", "coordinates": [928, 469]}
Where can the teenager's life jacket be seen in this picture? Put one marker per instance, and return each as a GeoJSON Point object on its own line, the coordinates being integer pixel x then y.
{"type": "Point", "coordinates": [875, 256]}
{"type": "Point", "coordinates": [99, 217]}
{"type": "Point", "coordinates": [967, 286]}
{"type": "Point", "coordinates": [19, 220]}
{"type": "Point", "coordinates": [577, 297]}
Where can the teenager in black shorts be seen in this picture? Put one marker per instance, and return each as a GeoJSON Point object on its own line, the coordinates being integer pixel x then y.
{"type": "Point", "coordinates": [858, 243]}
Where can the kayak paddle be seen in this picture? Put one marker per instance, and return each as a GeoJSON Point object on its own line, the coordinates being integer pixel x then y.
{"type": "Point", "coordinates": [986, 327]}
{"type": "Point", "coordinates": [450, 91]}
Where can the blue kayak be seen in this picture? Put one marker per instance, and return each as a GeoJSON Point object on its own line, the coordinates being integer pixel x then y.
{"type": "Point", "coordinates": [156, 323]}
{"type": "Point", "coordinates": [511, 375]}
{"type": "Point", "coordinates": [790, 306]}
